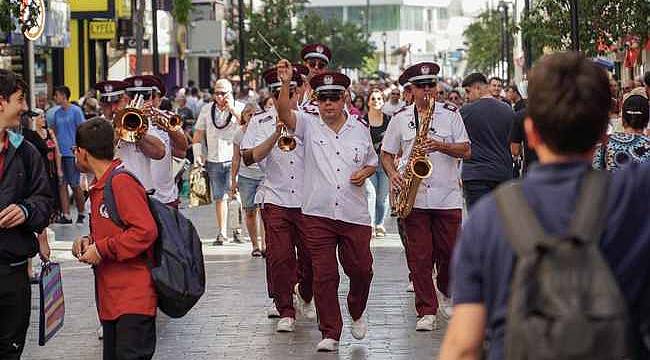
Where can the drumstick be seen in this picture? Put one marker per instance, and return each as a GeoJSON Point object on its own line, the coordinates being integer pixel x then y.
{"type": "Point", "coordinates": [271, 47]}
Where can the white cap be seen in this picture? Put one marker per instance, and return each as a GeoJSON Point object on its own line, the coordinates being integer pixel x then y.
{"type": "Point", "coordinates": [223, 85]}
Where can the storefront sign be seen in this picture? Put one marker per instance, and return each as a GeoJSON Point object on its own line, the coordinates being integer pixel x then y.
{"type": "Point", "coordinates": [102, 30]}
{"type": "Point", "coordinates": [89, 5]}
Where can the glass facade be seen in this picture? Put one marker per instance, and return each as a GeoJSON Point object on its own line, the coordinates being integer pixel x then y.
{"type": "Point", "coordinates": [329, 12]}
{"type": "Point", "coordinates": [412, 18]}
{"type": "Point", "coordinates": [382, 17]}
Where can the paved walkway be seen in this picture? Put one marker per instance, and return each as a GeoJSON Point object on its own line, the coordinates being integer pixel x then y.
{"type": "Point", "coordinates": [230, 321]}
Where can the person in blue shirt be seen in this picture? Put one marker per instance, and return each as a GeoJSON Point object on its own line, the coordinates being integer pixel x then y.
{"type": "Point", "coordinates": [563, 127]}
{"type": "Point", "coordinates": [66, 120]}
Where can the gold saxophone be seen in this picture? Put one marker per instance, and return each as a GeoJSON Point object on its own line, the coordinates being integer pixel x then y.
{"type": "Point", "coordinates": [418, 168]}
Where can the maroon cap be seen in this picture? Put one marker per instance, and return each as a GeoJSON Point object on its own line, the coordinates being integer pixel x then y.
{"type": "Point", "coordinates": [316, 51]}
{"type": "Point", "coordinates": [329, 81]}
{"type": "Point", "coordinates": [140, 83]}
{"type": "Point", "coordinates": [271, 76]}
{"type": "Point", "coordinates": [158, 86]}
{"type": "Point", "coordinates": [424, 72]}
{"type": "Point", "coordinates": [110, 91]}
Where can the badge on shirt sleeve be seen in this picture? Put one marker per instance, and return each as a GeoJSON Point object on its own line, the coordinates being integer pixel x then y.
{"type": "Point", "coordinates": [103, 211]}
{"type": "Point", "coordinates": [412, 124]}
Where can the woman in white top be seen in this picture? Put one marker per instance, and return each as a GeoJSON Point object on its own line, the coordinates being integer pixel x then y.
{"type": "Point", "coordinates": [247, 182]}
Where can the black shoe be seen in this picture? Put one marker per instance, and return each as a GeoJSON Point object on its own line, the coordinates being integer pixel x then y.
{"type": "Point", "coordinates": [236, 238]}
{"type": "Point", "coordinates": [256, 253]}
{"type": "Point", "coordinates": [218, 241]}
{"type": "Point", "coordinates": [80, 219]}
{"type": "Point", "coordinates": [63, 220]}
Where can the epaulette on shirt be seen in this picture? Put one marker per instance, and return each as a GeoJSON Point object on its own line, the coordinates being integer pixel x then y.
{"type": "Point", "coordinates": [401, 109]}
{"type": "Point", "coordinates": [450, 107]}
{"type": "Point", "coordinates": [259, 112]}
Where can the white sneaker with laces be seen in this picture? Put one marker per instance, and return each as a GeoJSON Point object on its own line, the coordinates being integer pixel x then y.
{"type": "Point", "coordinates": [286, 324]}
{"type": "Point", "coordinates": [327, 345]}
{"type": "Point", "coordinates": [359, 329]}
{"type": "Point", "coordinates": [272, 312]}
{"type": "Point", "coordinates": [410, 287]}
{"type": "Point", "coordinates": [445, 307]}
{"type": "Point", "coordinates": [307, 309]}
{"type": "Point", "coordinates": [426, 323]}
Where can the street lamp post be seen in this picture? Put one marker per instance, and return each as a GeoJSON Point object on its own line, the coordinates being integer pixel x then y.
{"type": "Point", "coordinates": [505, 42]}
{"type": "Point", "coordinates": [154, 36]}
{"type": "Point", "coordinates": [383, 40]}
{"type": "Point", "coordinates": [242, 54]}
{"type": "Point", "coordinates": [575, 36]}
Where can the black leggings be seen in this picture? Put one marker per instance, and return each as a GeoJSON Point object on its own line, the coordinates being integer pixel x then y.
{"type": "Point", "coordinates": [130, 337]}
{"type": "Point", "coordinates": [15, 309]}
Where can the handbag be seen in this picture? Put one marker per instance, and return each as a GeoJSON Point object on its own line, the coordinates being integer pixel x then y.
{"type": "Point", "coordinates": [200, 193]}
{"type": "Point", "coordinates": [52, 305]}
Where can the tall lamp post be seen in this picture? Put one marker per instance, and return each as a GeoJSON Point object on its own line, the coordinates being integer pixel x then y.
{"type": "Point", "coordinates": [505, 41]}
{"type": "Point", "coordinates": [575, 36]}
{"type": "Point", "coordinates": [383, 40]}
{"type": "Point", "coordinates": [242, 54]}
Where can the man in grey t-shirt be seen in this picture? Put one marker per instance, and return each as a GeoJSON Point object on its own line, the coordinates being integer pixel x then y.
{"type": "Point", "coordinates": [488, 122]}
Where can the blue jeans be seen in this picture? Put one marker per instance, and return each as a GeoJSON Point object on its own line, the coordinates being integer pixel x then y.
{"type": "Point", "coordinates": [381, 186]}
{"type": "Point", "coordinates": [219, 174]}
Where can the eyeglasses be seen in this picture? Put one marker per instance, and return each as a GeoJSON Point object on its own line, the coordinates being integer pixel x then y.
{"type": "Point", "coordinates": [425, 85]}
{"type": "Point", "coordinates": [317, 64]}
{"type": "Point", "coordinates": [220, 93]}
{"type": "Point", "coordinates": [330, 97]}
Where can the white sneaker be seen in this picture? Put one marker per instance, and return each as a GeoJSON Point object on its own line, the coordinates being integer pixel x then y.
{"type": "Point", "coordinates": [426, 323]}
{"type": "Point", "coordinates": [272, 312]}
{"type": "Point", "coordinates": [100, 333]}
{"type": "Point", "coordinates": [286, 324]}
{"type": "Point", "coordinates": [359, 329]}
{"type": "Point", "coordinates": [445, 307]}
{"type": "Point", "coordinates": [327, 345]}
{"type": "Point", "coordinates": [410, 287]}
{"type": "Point", "coordinates": [307, 309]}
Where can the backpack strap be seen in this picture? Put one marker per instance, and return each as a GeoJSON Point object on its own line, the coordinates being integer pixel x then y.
{"type": "Point", "coordinates": [523, 230]}
{"type": "Point", "coordinates": [109, 199]}
{"type": "Point", "coordinates": [589, 220]}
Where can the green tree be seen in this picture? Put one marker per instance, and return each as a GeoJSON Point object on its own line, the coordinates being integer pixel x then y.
{"type": "Point", "coordinates": [347, 41]}
{"type": "Point", "coordinates": [600, 21]}
{"type": "Point", "coordinates": [484, 39]}
{"type": "Point", "coordinates": [10, 10]}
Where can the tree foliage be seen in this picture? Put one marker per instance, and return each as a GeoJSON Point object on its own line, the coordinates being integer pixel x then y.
{"type": "Point", "coordinates": [600, 21]}
{"type": "Point", "coordinates": [484, 39]}
{"type": "Point", "coordinates": [181, 11]}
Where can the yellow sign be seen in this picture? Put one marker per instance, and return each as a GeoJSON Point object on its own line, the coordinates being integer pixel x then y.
{"type": "Point", "coordinates": [89, 5]}
{"type": "Point", "coordinates": [123, 9]}
{"type": "Point", "coordinates": [102, 30]}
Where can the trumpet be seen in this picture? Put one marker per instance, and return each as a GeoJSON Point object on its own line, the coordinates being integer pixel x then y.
{"type": "Point", "coordinates": [131, 123]}
{"type": "Point", "coordinates": [286, 141]}
{"type": "Point", "coordinates": [166, 120]}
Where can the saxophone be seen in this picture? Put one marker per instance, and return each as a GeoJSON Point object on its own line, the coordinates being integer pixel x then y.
{"type": "Point", "coordinates": [418, 167]}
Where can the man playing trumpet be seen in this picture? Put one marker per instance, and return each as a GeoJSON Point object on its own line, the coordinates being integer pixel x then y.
{"type": "Point", "coordinates": [433, 223]}
{"type": "Point", "coordinates": [281, 158]}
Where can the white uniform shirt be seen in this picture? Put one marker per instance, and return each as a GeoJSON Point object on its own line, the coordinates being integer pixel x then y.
{"type": "Point", "coordinates": [252, 172]}
{"type": "Point", "coordinates": [135, 161]}
{"type": "Point", "coordinates": [330, 160]}
{"type": "Point", "coordinates": [163, 175]}
{"type": "Point", "coordinates": [441, 190]}
{"type": "Point", "coordinates": [219, 141]}
{"type": "Point", "coordinates": [283, 180]}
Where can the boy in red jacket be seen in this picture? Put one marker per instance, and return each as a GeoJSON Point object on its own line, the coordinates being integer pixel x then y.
{"type": "Point", "coordinates": [125, 293]}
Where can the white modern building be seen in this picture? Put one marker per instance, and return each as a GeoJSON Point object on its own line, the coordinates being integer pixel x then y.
{"type": "Point", "coordinates": [408, 31]}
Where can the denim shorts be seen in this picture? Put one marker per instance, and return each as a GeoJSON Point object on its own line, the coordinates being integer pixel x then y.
{"type": "Point", "coordinates": [219, 174]}
{"type": "Point", "coordinates": [248, 189]}
{"type": "Point", "coordinates": [71, 174]}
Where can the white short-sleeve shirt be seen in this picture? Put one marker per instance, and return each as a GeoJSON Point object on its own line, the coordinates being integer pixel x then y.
{"type": "Point", "coordinates": [283, 171]}
{"type": "Point", "coordinates": [162, 173]}
{"type": "Point", "coordinates": [220, 128]}
{"type": "Point", "coordinates": [330, 159]}
{"type": "Point", "coordinates": [441, 190]}
{"type": "Point", "coordinates": [135, 161]}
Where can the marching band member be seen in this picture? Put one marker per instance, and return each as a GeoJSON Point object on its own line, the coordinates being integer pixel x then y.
{"type": "Point", "coordinates": [281, 197]}
{"type": "Point", "coordinates": [434, 222]}
{"type": "Point", "coordinates": [217, 124]}
{"type": "Point", "coordinates": [339, 157]}
{"type": "Point", "coordinates": [112, 97]}
{"type": "Point", "coordinates": [316, 58]}
{"type": "Point", "coordinates": [162, 173]}
{"type": "Point", "coordinates": [137, 156]}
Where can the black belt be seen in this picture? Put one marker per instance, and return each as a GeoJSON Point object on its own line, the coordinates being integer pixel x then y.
{"type": "Point", "coordinates": [12, 264]}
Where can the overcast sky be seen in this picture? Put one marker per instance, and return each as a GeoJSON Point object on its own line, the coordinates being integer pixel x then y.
{"type": "Point", "coordinates": [474, 6]}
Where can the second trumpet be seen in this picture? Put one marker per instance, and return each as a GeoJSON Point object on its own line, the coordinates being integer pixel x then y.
{"type": "Point", "coordinates": [286, 141]}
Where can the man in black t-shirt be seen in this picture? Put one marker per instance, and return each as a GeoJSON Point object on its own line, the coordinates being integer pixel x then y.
{"type": "Point", "coordinates": [488, 122]}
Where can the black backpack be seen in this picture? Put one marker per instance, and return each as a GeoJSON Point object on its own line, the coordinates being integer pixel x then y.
{"type": "Point", "coordinates": [564, 300]}
{"type": "Point", "coordinates": [178, 271]}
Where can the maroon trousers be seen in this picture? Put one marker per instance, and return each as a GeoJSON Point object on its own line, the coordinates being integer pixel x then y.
{"type": "Point", "coordinates": [430, 236]}
{"type": "Point", "coordinates": [284, 265]}
{"type": "Point", "coordinates": [324, 237]}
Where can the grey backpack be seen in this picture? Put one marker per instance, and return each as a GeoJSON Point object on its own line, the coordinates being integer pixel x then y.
{"type": "Point", "coordinates": [564, 300]}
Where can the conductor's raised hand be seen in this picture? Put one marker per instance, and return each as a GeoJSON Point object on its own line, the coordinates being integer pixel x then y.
{"type": "Point", "coordinates": [285, 71]}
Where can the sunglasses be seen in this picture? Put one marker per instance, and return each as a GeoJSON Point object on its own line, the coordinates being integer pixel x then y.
{"type": "Point", "coordinates": [220, 93]}
{"type": "Point", "coordinates": [317, 64]}
{"type": "Point", "coordinates": [425, 85]}
{"type": "Point", "coordinates": [330, 97]}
